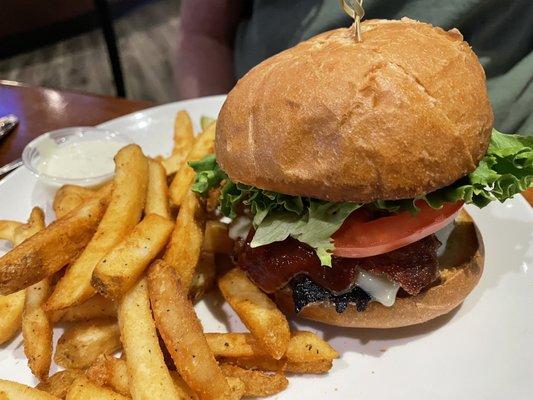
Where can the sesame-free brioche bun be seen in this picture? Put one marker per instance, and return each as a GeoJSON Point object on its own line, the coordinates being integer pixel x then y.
{"type": "Point", "coordinates": [461, 267]}
{"type": "Point", "coordinates": [398, 115]}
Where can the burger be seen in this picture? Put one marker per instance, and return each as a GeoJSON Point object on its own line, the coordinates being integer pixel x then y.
{"type": "Point", "coordinates": [344, 167]}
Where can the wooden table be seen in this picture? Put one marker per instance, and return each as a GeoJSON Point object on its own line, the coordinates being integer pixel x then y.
{"type": "Point", "coordinates": [41, 110]}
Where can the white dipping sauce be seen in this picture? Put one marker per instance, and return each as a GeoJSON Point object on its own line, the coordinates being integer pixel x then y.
{"type": "Point", "coordinates": [85, 159]}
{"type": "Point", "coordinates": [378, 287]}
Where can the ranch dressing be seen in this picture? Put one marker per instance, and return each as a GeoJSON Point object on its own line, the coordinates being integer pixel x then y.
{"type": "Point", "coordinates": [84, 159]}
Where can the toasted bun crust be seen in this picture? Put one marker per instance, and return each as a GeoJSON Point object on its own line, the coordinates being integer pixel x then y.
{"type": "Point", "coordinates": [461, 268]}
{"type": "Point", "coordinates": [398, 115]}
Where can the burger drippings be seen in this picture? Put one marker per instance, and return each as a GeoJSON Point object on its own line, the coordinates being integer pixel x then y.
{"type": "Point", "coordinates": [305, 291]}
{"type": "Point", "coordinates": [272, 267]}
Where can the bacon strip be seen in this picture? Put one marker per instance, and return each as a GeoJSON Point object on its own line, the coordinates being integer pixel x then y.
{"type": "Point", "coordinates": [272, 267]}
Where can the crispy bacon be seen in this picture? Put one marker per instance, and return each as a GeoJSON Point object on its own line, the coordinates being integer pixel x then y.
{"type": "Point", "coordinates": [272, 267]}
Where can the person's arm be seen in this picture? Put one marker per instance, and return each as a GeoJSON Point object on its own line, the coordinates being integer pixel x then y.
{"type": "Point", "coordinates": [204, 64]}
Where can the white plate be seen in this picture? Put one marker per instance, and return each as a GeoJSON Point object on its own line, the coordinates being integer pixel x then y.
{"type": "Point", "coordinates": [484, 350]}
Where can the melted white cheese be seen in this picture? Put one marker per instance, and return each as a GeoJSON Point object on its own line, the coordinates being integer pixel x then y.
{"type": "Point", "coordinates": [378, 287]}
{"type": "Point", "coordinates": [443, 235]}
{"type": "Point", "coordinates": [240, 227]}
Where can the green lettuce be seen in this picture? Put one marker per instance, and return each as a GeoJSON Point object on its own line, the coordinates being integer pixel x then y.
{"type": "Point", "coordinates": [506, 169]}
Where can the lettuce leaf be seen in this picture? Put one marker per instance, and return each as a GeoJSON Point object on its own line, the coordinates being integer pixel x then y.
{"type": "Point", "coordinates": [314, 228]}
{"type": "Point", "coordinates": [506, 169]}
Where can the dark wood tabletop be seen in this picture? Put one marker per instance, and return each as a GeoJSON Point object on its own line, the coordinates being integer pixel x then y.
{"type": "Point", "coordinates": [41, 110]}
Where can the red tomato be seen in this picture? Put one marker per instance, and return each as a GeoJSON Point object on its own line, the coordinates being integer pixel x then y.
{"type": "Point", "coordinates": [358, 237]}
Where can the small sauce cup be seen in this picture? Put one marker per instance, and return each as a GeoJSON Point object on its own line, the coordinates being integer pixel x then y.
{"type": "Point", "coordinates": [78, 155]}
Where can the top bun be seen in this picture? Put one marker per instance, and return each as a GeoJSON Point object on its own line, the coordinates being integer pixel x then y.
{"type": "Point", "coordinates": [400, 114]}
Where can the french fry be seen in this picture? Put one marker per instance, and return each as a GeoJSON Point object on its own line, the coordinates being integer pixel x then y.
{"type": "Point", "coordinates": [157, 201]}
{"type": "Point", "coordinates": [282, 365]}
{"type": "Point", "coordinates": [181, 183]}
{"type": "Point", "coordinates": [47, 252]}
{"type": "Point", "coordinates": [260, 315]}
{"type": "Point", "coordinates": [183, 133]}
{"type": "Point", "coordinates": [12, 306]}
{"type": "Point", "coordinates": [303, 346]}
{"type": "Point", "coordinates": [173, 163]}
{"type": "Point", "coordinates": [3, 396]}
{"type": "Point", "coordinates": [237, 388]}
{"type": "Point", "coordinates": [122, 214]}
{"type": "Point", "coordinates": [70, 197]}
{"type": "Point", "coordinates": [94, 308]}
{"type": "Point", "coordinates": [206, 121]}
{"type": "Point", "coordinates": [113, 373]}
{"type": "Point", "coordinates": [216, 239]}
{"type": "Point", "coordinates": [83, 389]}
{"type": "Point", "coordinates": [204, 276]}
{"type": "Point", "coordinates": [185, 244]}
{"type": "Point", "coordinates": [110, 371]}
{"type": "Point", "coordinates": [257, 383]}
{"type": "Point", "coordinates": [7, 230]}
{"type": "Point", "coordinates": [183, 142]}
{"type": "Point", "coordinates": [37, 329]}
{"type": "Point", "coordinates": [118, 271]}
{"type": "Point", "coordinates": [182, 333]}
{"type": "Point", "coordinates": [82, 343]}
{"type": "Point", "coordinates": [149, 376]}
{"type": "Point", "coordinates": [17, 391]}
{"type": "Point", "coordinates": [59, 383]}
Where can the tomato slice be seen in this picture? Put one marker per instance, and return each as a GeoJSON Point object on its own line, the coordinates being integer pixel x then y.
{"type": "Point", "coordinates": [360, 237]}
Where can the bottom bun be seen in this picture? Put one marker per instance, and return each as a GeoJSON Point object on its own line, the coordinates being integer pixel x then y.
{"type": "Point", "coordinates": [461, 266]}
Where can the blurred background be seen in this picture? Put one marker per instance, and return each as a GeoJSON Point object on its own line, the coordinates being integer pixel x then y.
{"type": "Point", "coordinates": [165, 50]}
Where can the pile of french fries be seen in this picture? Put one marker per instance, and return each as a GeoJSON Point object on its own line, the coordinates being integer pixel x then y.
{"type": "Point", "coordinates": [121, 267]}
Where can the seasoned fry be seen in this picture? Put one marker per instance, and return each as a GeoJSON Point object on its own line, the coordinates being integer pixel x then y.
{"type": "Point", "coordinates": [70, 197]}
{"type": "Point", "coordinates": [282, 365]}
{"type": "Point", "coordinates": [206, 121]}
{"type": "Point", "coordinates": [157, 201]}
{"type": "Point", "coordinates": [82, 343]}
{"type": "Point", "coordinates": [182, 333]}
{"type": "Point", "coordinates": [18, 270]}
{"type": "Point", "coordinates": [181, 183]}
{"type": "Point", "coordinates": [122, 214]}
{"type": "Point", "coordinates": [173, 163]}
{"type": "Point", "coordinates": [260, 315]}
{"type": "Point", "coordinates": [183, 133]}
{"type": "Point", "coordinates": [118, 271]}
{"type": "Point", "coordinates": [7, 230]}
{"type": "Point", "coordinates": [17, 391]}
{"type": "Point", "coordinates": [257, 383]}
{"type": "Point", "coordinates": [59, 383]}
{"type": "Point", "coordinates": [12, 306]}
{"type": "Point", "coordinates": [110, 371]}
{"type": "Point", "coordinates": [216, 239]}
{"type": "Point", "coordinates": [96, 307]}
{"type": "Point", "coordinates": [149, 376]}
{"type": "Point", "coordinates": [113, 372]}
{"type": "Point", "coordinates": [83, 389]}
{"type": "Point", "coordinates": [303, 346]}
{"type": "Point", "coordinates": [183, 142]}
{"type": "Point", "coordinates": [236, 388]}
{"type": "Point", "coordinates": [37, 329]}
{"type": "Point", "coordinates": [204, 276]}
{"type": "Point", "coordinates": [185, 245]}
